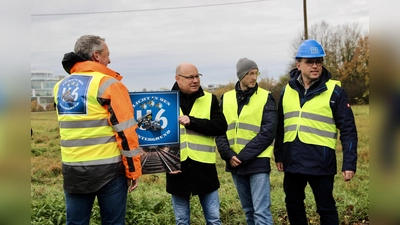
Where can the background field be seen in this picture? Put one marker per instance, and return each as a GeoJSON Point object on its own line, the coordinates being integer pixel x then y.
{"type": "Point", "coordinates": [150, 204]}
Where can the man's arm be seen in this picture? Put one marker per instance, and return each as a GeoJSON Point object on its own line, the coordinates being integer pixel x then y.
{"type": "Point", "coordinates": [265, 136]}
{"type": "Point", "coordinates": [121, 117]}
{"type": "Point", "coordinates": [278, 147]}
{"type": "Point", "coordinates": [214, 126]}
{"type": "Point", "coordinates": [345, 122]}
{"type": "Point", "coordinates": [222, 143]}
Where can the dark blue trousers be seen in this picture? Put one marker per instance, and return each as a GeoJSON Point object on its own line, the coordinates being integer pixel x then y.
{"type": "Point", "coordinates": [322, 187]}
{"type": "Point", "coordinates": [111, 198]}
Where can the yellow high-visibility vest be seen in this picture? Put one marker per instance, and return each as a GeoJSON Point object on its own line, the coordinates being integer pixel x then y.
{"type": "Point", "coordinates": [243, 128]}
{"type": "Point", "coordinates": [313, 123]}
{"type": "Point", "coordinates": [86, 136]}
{"type": "Point", "coordinates": [197, 146]}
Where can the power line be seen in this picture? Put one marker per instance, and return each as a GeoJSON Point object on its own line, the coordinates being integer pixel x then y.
{"type": "Point", "coordinates": [144, 10]}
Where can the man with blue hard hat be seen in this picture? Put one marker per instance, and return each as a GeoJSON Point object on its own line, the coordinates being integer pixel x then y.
{"type": "Point", "coordinates": [311, 110]}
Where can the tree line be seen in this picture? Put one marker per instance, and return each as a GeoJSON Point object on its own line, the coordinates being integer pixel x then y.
{"type": "Point", "coordinates": [347, 58]}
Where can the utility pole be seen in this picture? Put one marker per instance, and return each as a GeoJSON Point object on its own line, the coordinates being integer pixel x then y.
{"type": "Point", "coordinates": [305, 19]}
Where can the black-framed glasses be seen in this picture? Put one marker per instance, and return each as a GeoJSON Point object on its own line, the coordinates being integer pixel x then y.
{"type": "Point", "coordinates": [254, 73]}
{"type": "Point", "coordinates": [317, 61]}
{"type": "Point", "coordinates": [191, 77]}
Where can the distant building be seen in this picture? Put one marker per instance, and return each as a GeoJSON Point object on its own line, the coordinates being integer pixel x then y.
{"type": "Point", "coordinates": [42, 84]}
{"type": "Point", "coordinates": [58, 77]}
{"type": "Point", "coordinates": [213, 87]}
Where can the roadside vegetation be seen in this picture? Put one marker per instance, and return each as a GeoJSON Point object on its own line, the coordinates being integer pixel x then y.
{"type": "Point", "coordinates": [151, 204]}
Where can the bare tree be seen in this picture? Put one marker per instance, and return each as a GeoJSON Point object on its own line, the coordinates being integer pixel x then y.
{"type": "Point", "coordinates": [354, 73]}
{"type": "Point", "coordinates": [340, 45]}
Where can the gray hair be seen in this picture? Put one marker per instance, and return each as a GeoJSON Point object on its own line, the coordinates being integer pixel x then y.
{"type": "Point", "coordinates": [86, 45]}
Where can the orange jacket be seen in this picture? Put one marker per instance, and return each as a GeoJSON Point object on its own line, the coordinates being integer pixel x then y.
{"type": "Point", "coordinates": [117, 102]}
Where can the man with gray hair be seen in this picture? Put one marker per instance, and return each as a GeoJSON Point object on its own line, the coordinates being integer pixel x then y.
{"type": "Point", "coordinates": [247, 146]}
{"type": "Point", "coordinates": [99, 145]}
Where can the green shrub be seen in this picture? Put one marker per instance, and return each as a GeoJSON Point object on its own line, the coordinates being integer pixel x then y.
{"type": "Point", "coordinates": [38, 151]}
{"type": "Point", "coordinates": [48, 211]}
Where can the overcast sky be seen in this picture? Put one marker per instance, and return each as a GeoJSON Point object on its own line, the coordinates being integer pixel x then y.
{"type": "Point", "coordinates": [148, 39]}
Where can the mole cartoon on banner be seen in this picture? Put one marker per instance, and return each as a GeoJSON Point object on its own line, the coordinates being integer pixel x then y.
{"type": "Point", "coordinates": [157, 115]}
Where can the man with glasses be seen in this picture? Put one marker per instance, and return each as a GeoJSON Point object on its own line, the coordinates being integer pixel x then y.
{"type": "Point", "coordinates": [247, 145]}
{"type": "Point", "coordinates": [200, 121]}
{"type": "Point", "coordinates": [311, 109]}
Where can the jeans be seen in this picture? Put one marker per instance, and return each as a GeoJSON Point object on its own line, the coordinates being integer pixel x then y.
{"type": "Point", "coordinates": [209, 202]}
{"type": "Point", "coordinates": [322, 187]}
{"type": "Point", "coordinates": [254, 194]}
{"type": "Point", "coordinates": [112, 202]}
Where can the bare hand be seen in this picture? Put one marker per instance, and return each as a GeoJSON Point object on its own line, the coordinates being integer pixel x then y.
{"type": "Point", "coordinates": [279, 166]}
{"type": "Point", "coordinates": [132, 184]}
{"type": "Point", "coordinates": [235, 161]}
{"type": "Point", "coordinates": [348, 175]}
{"type": "Point", "coordinates": [184, 120]}
{"type": "Point", "coordinates": [175, 172]}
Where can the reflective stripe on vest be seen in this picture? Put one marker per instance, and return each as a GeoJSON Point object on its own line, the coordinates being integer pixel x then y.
{"type": "Point", "coordinates": [196, 146]}
{"type": "Point", "coordinates": [313, 123]}
{"type": "Point", "coordinates": [243, 128]}
{"type": "Point", "coordinates": [86, 136]}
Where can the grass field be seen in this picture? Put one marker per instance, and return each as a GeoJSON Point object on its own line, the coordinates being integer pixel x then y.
{"type": "Point", "coordinates": [150, 204]}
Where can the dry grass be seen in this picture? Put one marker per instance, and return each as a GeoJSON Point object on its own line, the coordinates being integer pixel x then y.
{"type": "Point", "coordinates": [150, 198]}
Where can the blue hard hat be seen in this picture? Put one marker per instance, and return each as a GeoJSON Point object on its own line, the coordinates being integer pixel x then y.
{"type": "Point", "coordinates": [310, 49]}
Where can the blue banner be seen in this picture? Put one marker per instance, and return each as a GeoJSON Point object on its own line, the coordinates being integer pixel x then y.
{"type": "Point", "coordinates": [157, 116]}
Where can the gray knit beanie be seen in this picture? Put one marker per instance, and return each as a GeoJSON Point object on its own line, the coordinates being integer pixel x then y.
{"type": "Point", "coordinates": [243, 66]}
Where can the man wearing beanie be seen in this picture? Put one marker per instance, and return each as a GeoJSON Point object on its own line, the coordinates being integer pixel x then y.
{"type": "Point", "coordinates": [247, 146]}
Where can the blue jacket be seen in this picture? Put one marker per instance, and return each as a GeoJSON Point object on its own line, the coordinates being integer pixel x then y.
{"type": "Point", "coordinates": [301, 158]}
{"type": "Point", "coordinates": [248, 156]}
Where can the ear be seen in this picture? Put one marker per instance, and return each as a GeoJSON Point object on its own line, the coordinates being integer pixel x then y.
{"type": "Point", "coordinates": [176, 77]}
{"type": "Point", "coordinates": [298, 65]}
{"type": "Point", "coordinates": [95, 56]}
